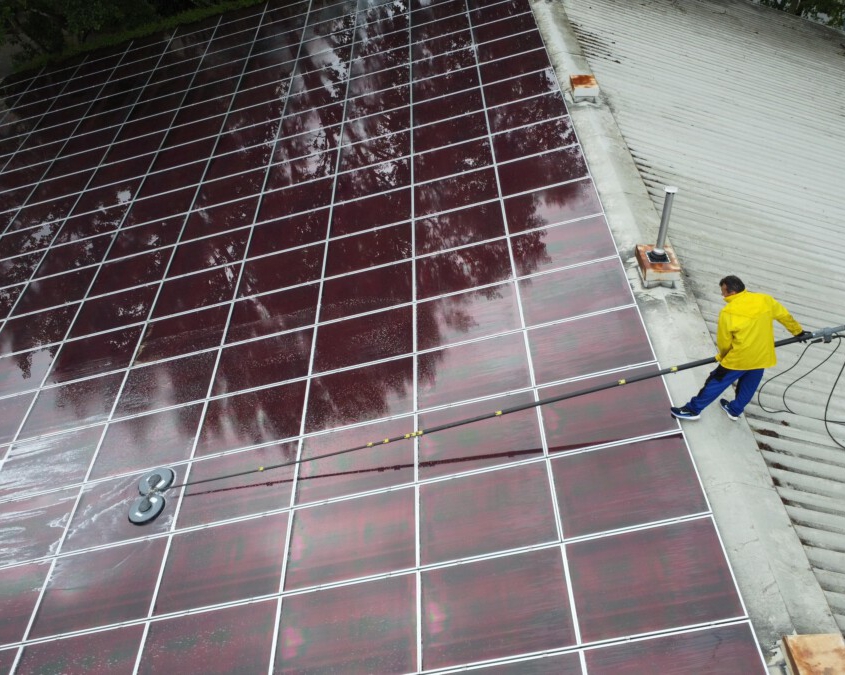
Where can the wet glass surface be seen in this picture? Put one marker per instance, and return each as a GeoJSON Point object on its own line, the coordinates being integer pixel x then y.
{"type": "Point", "coordinates": [495, 608]}
{"type": "Point", "coordinates": [220, 217]}
{"type": "Point", "coordinates": [563, 245]}
{"type": "Point", "coordinates": [575, 291]}
{"type": "Point", "coordinates": [366, 291]}
{"type": "Point", "coordinates": [558, 166]}
{"type": "Point", "coordinates": [472, 370]}
{"type": "Point", "coordinates": [145, 237]}
{"type": "Point", "coordinates": [458, 228]}
{"type": "Point", "coordinates": [439, 109]}
{"type": "Point", "coordinates": [106, 651]}
{"type": "Point", "coordinates": [551, 206]}
{"type": "Point", "coordinates": [452, 159]}
{"type": "Point", "coordinates": [368, 627]}
{"type": "Point", "coordinates": [102, 516]}
{"type": "Point", "coordinates": [239, 560]}
{"type": "Point", "coordinates": [43, 463]}
{"type": "Point", "coordinates": [580, 347]}
{"type": "Point", "coordinates": [72, 405]}
{"type": "Point", "coordinates": [370, 212]}
{"type": "Point", "coordinates": [377, 247]}
{"type": "Point", "coordinates": [54, 291]}
{"type": "Point", "coordinates": [16, 270]}
{"type": "Point", "coordinates": [526, 62]}
{"type": "Point", "coordinates": [99, 587]}
{"type": "Point", "coordinates": [519, 32]}
{"type": "Point", "coordinates": [615, 414]}
{"type": "Point", "coordinates": [8, 297]}
{"type": "Point", "coordinates": [94, 355]}
{"type": "Point", "coordinates": [166, 383]}
{"type": "Point", "coordinates": [524, 112]}
{"type": "Point", "coordinates": [135, 271]}
{"type": "Point", "coordinates": [286, 233]}
{"type": "Point", "coordinates": [24, 371]}
{"type": "Point", "coordinates": [36, 238]}
{"type": "Point", "coordinates": [273, 312]}
{"type": "Point", "coordinates": [560, 664]}
{"type": "Point", "coordinates": [223, 641]}
{"type": "Point", "coordinates": [182, 334]}
{"type": "Point", "coordinates": [360, 394]}
{"type": "Point", "coordinates": [147, 441]}
{"type": "Point", "coordinates": [465, 316]}
{"type": "Point", "coordinates": [252, 417]}
{"type": "Point", "coordinates": [113, 311]}
{"type": "Point", "coordinates": [196, 291]}
{"type": "Point", "coordinates": [535, 138]}
{"type": "Point", "coordinates": [454, 192]}
{"type": "Point", "coordinates": [19, 590]}
{"type": "Point", "coordinates": [427, 235]}
{"type": "Point", "coordinates": [380, 466]}
{"type": "Point", "coordinates": [481, 444]}
{"type": "Point", "coordinates": [368, 338]}
{"type": "Point", "coordinates": [350, 539]}
{"type": "Point", "coordinates": [11, 415]}
{"type": "Point", "coordinates": [241, 495]}
{"type": "Point", "coordinates": [463, 269]}
{"type": "Point", "coordinates": [36, 329]}
{"type": "Point", "coordinates": [484, 513]}
{"type": "Point", "coordinates": [209, 252]}
{"type": "Point", "coordinates": [265, 361]}
{"type": "Point", "coordinates": [705, 651]}
{"type": "Point", "coordinates": [449, 131]}
{"type": "Point", "coordinates": [683, 579]}
{"type": "Point", "coordinates": [280, 270]}
{"type": "Point", "coordinates": [626, 485]}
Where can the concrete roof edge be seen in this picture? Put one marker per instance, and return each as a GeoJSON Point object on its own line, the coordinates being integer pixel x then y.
{"type": "Point", "coordinates": [781, 593]}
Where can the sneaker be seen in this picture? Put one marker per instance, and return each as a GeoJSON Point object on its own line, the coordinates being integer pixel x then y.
{"type": "Point", "coordinates": [725, 403]}
{"type": "Point", "coordinates": [684, 413]}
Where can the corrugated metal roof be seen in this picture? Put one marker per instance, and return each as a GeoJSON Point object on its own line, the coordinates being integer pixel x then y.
{"type": "Point", "coordinates": [743, 108]}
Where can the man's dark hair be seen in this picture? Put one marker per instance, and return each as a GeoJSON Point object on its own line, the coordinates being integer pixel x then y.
{"type": "Point", "coordinates": [733, 284]}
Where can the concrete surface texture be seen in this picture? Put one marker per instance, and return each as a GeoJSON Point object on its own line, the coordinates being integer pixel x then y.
{"type": "Point", "coordinates": [709, 96]}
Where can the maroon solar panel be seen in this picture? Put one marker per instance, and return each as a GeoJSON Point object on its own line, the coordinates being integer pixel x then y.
{"type": "Point", "coordinates": [298, 228]}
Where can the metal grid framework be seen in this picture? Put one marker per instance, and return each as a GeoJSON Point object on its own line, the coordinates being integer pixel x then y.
{"type": "Point", "coordinates": [291, 230]}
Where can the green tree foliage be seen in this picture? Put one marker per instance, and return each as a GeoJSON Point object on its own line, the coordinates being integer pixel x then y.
{"type": "Point", "coordinates": [831, 12]}
{"type": "Point", "coordinates": [51, 26]}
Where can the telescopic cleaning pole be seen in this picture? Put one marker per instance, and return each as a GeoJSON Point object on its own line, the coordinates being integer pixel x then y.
{"type": "Point", "coordinates": [151, 502]}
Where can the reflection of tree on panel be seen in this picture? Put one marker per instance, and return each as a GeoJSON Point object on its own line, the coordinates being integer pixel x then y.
{"type": "Point", "coordinates": [381, 148]}
{"type": "Point", "coordinates": [371, 392]}
{"type": "Point", "coordinates": [252, 418]}
{"type": "Point", "coordinates": [360, 394]}
{"type": "Point", "coordinates": [35, 330]}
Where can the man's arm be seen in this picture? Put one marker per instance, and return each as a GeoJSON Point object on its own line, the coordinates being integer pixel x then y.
{"type": "Point", "coordinates": [785, 318]}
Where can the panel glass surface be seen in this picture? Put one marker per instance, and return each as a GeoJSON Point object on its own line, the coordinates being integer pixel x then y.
{"type": "Point", "coordinates": [495, 608]}
{"type": "Point", "coordinates": [241, 249]}
{"type": "Point", "coordinates": [372, 628]}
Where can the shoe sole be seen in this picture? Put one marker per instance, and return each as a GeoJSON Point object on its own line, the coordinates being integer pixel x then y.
{"type": "Point", "coordinates": [684, 417]}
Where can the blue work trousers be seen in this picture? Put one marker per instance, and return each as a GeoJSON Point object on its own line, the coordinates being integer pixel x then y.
{"type": "Point", "coordinates": [720, 379]}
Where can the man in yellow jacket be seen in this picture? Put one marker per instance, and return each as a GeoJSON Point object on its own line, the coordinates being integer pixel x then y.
{"type": "Point", "coordinates": [746, 342]}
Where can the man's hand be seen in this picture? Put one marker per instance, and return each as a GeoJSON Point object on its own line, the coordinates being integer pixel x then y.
{"type": "Point", "coordinates": [803, 336]}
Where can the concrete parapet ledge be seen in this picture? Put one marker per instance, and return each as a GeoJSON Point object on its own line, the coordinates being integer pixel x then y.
{"type": "Point", "coordinates": [779, 589]}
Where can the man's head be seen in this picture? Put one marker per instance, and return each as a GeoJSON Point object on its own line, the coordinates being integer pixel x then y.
{"type": "Point", "coordinates": [731, 285]}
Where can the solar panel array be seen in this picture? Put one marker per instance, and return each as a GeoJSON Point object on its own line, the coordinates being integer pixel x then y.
{"type": "Point", "coordinates": [288, 231]}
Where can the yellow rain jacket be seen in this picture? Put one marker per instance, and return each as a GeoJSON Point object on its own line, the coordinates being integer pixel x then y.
{"type": "Point", "coordinates": [745, 336]}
